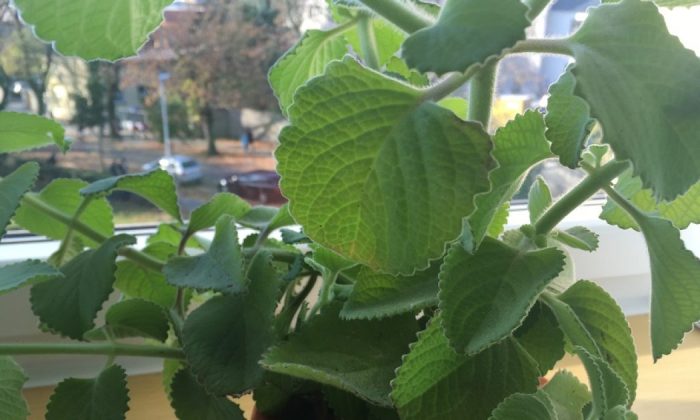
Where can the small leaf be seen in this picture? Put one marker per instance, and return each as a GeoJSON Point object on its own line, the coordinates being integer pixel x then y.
{"type": "Point", "coordinates": [517, 147]}
{"type": "Point", "coordinates": [387, 37]}
{"type": "Point", "coordinates": [467, 32]}
{"type": "Point", "coordinates": [103, 398]}
{"type": "Point", "coordinates": [70, 304]}
{"type": "Point", "coordinates": [206, 215]}
{"type": "Point", "coordinates": [539, 199]}
{"type": "Point", "coordinates": [64, 195]}
{"type": "Point", "coordinates": [225, 337]}
{"type": "Point", "coordinates": [192, 402]}
{"type": "Point", "coordinates": [219, 269]}
{"type": "Point", "coordinates": [607, 387]}
{"type": "Point", "coordinates": [12, 189]}
{"type": "Point", "coordinates": [12, 379]}
{"type": "Point", "coordinates": [139, 282]}
{"type": "Point", "coordinates": [264, 217]}
{"type": "Point", "coordinates": [398, 68]}
{"type": "Point", "coordinates": [157, 186]}
{"type": "Point", "coordinates": [535, 406]}
{"type": "Point", "coordinates": [541, 337]}
{"type": "Point", "coordinates": [485, 296]}
{"type": "Point", "coordinates": [25, 273]}
{"type": "Point", "coordinates": [378, 295]}
{"type": "Point", "coordinates": [19, 132]}
{"type": "Point", "coordinates": [568, 395]}
{"type": "Point", "coordinates": [132, 318]}
{"type": "Point", "coordinates": [356, 356]}
{"type": "Point", "coordinates": [379, 169]}
{"type": "Point", "coordinates": [578, 237]}
{"type": "Point", "coordinates": [435, 383]}
{"type": "Point", "coordinates": [114, 30]}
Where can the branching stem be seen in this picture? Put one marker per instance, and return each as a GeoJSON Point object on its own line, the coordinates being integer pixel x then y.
{"type": "Point", "coordinates": [481, 93]}
{"type": "Point", "coordinates": [560, 46]}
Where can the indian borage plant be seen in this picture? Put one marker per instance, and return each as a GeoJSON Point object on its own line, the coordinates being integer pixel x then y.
{"type": "Point", "coordinates": [426, 308]}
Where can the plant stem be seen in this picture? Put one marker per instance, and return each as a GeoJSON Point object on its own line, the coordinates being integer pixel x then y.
{"type": "Point", "coordinates": [579, 194]}
{"type": "Point", "coordinates": [624, 203]}
{"type": "Point", "coordinates": [449, 84]}
{"type": "Point", "coordinates": [481, 93]}
{"type": "Point", "coordinates": [99, 349]}
{"type": "Point", "coordinates": [536, 7]}
{"type": "Point", "coordinates": [545, 45]}
{"type": "Point", "coordinates": [407, 19]}
{"type": "Point", "coordinates": [368, 42]}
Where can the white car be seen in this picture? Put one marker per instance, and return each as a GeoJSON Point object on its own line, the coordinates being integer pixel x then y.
{"type": "Point", "coordinates": [183, 168]}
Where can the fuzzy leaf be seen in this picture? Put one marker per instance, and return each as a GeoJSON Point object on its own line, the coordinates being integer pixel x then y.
{"type": "Point", "coordinates": [578, 237]}
{"type": "Point", "coordinates": [219, 269]}
{"type": "Point", "coordinates": [568, 395]}
{"type": "Point", "coordinates": [435, 383]}
{"type": "Point", "coordinates": [356, 356]}
{"type": "Point", "coordinates": [19, 132]}
{"type": "Point", "coordinates": [157, 186]}
{"type": "Point", "coordinates": [650, 113]}
{"type": "Point", "coordinates": [12, 189]}
{"type": "Point", "coordinates": [224, 338]}
{"type": "Point", "coordinates": [535, 406]}
{"type": "Point", "coordinates": [485, 296]}
{"type": "Point", "coordinates": [206, 215]}
{"type": "Point", "coordinates": [132, 318]}
{"type": "Point", "coordinates": [138, 282]}
{"type": "Point", "coordinates": [388, 192]}
{"type": "Point", "coordinates": [112, 29]}
{"type": "Point", "coordinates": [387, 37]}
{"type": "Point", "coordinates": [541, 337]}
{"type": "Point", "coordinates": [517, 147]}
{"type": "Point", "coordinates": [12, 379]}
{"type": "Point", "coordinates": [192, 402]}
{"type": "Point", "coordinates": [25, 273]}
{"type": "Point", "coordinates": [264, 217]}
{"type": "Point", "coordinates": [398, 68]}
{"type": "Point", "coordinates": [539, 199]}
{"type": "Point", "coordinates": [467, 32]}
{"type": "Point", "coordinates": [70, 304]}
{"type": "Point", "coordinates": [607, 387]}
{"type": "Point", "coordinates": [103, 398]}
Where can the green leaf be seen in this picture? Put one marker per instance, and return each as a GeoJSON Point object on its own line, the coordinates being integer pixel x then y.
{"type": "Point", "coordinates": [346, 172]}
{"type": "Point", "coordinates": [264, 217]}
{"type": "Point", "coordinates": [539, 199]}
{"type": "Point", "coordinates": [387, 38]}
{"type": "Point", "coordinates": [356, 356]}
{"type": "Point", "coordinates": [12, 379]}
{"type": "Point", "coordinates": [219, 269]}
{"type": "Point", "coordinates": [568, 121]}
{"type": "Point", "coordinates": [12, 188]}
{"type": "Point", "coordinates": [346, 406]}
{"type": "Point", "coordinates": [517, 147]}
{"type": "Point", "coordinates": [19, 132]}
{"type": "Point", "coordinates": [157, 186]}
{"type": "Point", "coordinates": [467, 32]}
{"type": "Point", "coordinates": [568, 395]}
{"type": "Point", "coordinates": [682, 212]}
{"type": "Point", "coordinates": [307, 59]}
{"type": "Point", "coordinates": [535, 406]}
{"type": "Point", "coordinates": [64, 195]}
{"type": "Point", "coordinates": [607, 387]}
{"type": "Point", "coordinates": [397, 67]}
{"type": "Point", "coordinates": [435, 383]}
{"type": "Point", "coordinates": [221, 204]}
{"type": "Point", "coordinates": [541, 337]}
{"type": "Point", "coordinates": [378, 295]}
{"type": "Point", "coordinates": [577, 237]}
{"type": "Point", "coordinates": [650, 113]}
{"type": "Point", "coordinates": [224, 338]}
{"type": "Point", "coordinates": [25, 273]}
{"type": "Point", "coordinates": [111, 30]}
{"type": "Point", "coordinates": [103, 398]}
{"type": "Point", "coordinates": [459, 106]}
{"type": "Point", "coordinates": [71, 247]}
{"type": "Point", "coordinates": [485, 296]}
{"type": "Point", "coordinates": [620, 413]}
{"type": "Point", "coordinates": [192, 402]}
{"type": "Point", "coordinates": [138, 282]}
{"type": "Point", "coordinates": [132, 318]}
{"type": "Point", "coordinates": [70, 304]}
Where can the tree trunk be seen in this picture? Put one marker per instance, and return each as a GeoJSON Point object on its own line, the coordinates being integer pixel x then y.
{"type": "Point", "coordinates": [112, 93]}
{"type": "Point", "coordinates": [101, 147]}
{"type": "Point", "coordinates": [206, 117]}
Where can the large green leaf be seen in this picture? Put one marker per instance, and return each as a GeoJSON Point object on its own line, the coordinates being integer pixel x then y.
{"type": "Point", "coordinates": [12, 379]}
{"type": "Point", "coordinates": [225, 338]}
{"type": "Point", "coordinates": [485, 296]}
{"type": "Point", "coordinates": [517, 147]}
{"type": "Point", "coordinates": [132, 318]}
{"type": "Point", "coordinates": [378, 295]}
{"type": "Point", "coordinates": [94, 29]}
{"type": "Point", "coordinates": [541, 337]}
{"type": "Point", "coordinates": [192, 402]}
{"type": "Point", "coordinates": [70, 304]}
{"type": "Point", "coordinates": [387, 191]}
{"type": "Point", "coordinates": [466, 32]}
{"type": "Point", "coordinates": [357, 356]}
{"type": "Point", "coordinates": [435, 383]}
{"type": "Point", "coordinates": [650, 113]}
{"type": "Point", "coordinates": [20, 132]}
{"type": "Point", "coordinates": [25, 273]}
{"type": "Point", "coordinates": [568, 121]}
{"type": "Point", "coordinates": [206, 215]}
{"type": "Point", "coordinates": [157, 186]}
{"type": "Point", "coordinates": [12, 189]}
{"type": "Point", "coordinates": [219, 269]}
{"type": "Point", "coordinates": [64, 195]}
{"type": "Point", "coordinates": [682, 211]}
{"type": "Point", "coordinates": [103, 398]}
{"type": "Point", "coordinates": [139, 282]}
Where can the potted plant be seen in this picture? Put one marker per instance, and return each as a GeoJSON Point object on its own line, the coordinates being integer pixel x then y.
{"type": "Point", "coordinates": [403, 296]}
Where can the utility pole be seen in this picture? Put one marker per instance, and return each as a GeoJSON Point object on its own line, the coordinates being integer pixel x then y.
{"type": "Point", "coordinates": [162, 77]}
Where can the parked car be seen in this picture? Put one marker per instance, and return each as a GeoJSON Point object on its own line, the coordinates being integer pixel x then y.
{"type": "Point", "coordinates": [258, 187]}
{"type": "Point", "coordinates": [183, 168]}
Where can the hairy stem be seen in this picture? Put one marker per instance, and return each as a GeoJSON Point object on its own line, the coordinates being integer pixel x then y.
{"type": "Point", "coordinates": [598, 179]}
{"type": "Point", "coordinates": [368, 42]}
{"type": "Point", "coordinates": [449, 84]}
{"type": "Point", "coordinates": [400, 14]}
{"type": "Point", "coordinates": [560, 46]}
{"type": "Point", "coordinates": [624, 203]}
{"type": "Point", "coordinates": [103, 349]}
{"type": "Point", "coordinates": [481, 93]}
